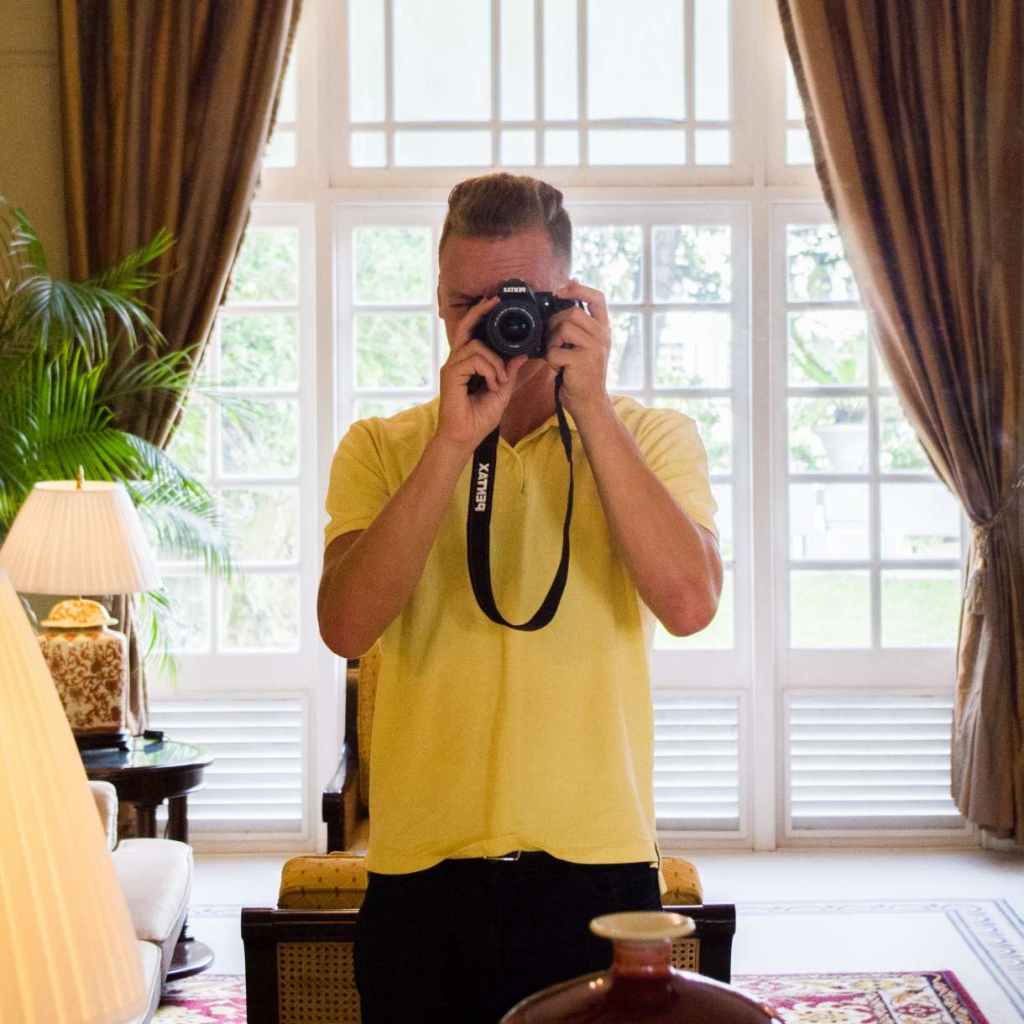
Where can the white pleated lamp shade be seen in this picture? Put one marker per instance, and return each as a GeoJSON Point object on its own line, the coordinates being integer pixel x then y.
{"type": "Point", "coordinates": [68, 951]}
{"type": "Point", "coordinates": [73, 539]}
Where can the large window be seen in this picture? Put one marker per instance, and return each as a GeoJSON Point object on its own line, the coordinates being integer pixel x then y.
{"type": "Point", "coordinates": [816, 707]}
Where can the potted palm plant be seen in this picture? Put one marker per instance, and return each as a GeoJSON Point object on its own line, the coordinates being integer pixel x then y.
{"type": "Point", "coordinates": [60, 385]}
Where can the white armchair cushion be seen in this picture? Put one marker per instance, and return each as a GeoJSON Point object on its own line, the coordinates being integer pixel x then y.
{"type": "Point", "coordinates": [156, 877]}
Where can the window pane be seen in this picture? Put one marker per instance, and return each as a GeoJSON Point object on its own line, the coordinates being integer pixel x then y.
{"type": "Point", "coordinates": [191, 442]}
{"type": "Point", "coordinates": [712, 147]}
{"type": "Point", "coordinates": [828, 521]}
{"type": "Point", "coordinates": [828, 347]}
{"type": "Point", "coordinates": [711, 61]}
{"type": "Point", "coordinates": [392, 351]}
{"type": "Point", "coordinates": [901, 452]}
{"type": "Point", "coordinates": [366, 59]}
{"type": "Point", "coordinates": [610, 259]}
{"type": "Point", "coordinates": [443, 149]}
{"type": "Point", "coordinates": [920, 608]}
{"type": "Point", "coordinates": [263, 523]}
{"type": "Point", "coordinates": [830, 609]}
{"type": "Point", "coordinates": [817, 267]}
{"type": "Point", "coordinates": [561, 88]}
{"type": "Point", "coordinates": [719, 635]}
{"type": "Point", "coordinates": [263, 442]}
{"type": "Point", "coordinates": [442, 75]}
{"type": "Point", "coordinates": [268, 266]}
{"type": "Point", "coordinates": [828, 435]}
{"type": "Point", "coordinates": [187, 621]}
{"type": "Point", "coordinates": [624, 147]}
{"type": "Point", "coordinates": [798, 148]}
{"type": "Point", "coordinates": [561, 148]}
{"type": "Point", "coordinates": [692, 349]}
{"type": "Point", "coordinates": [722, 491]}
{"type": "Point", "coordinates": [519, 148]}
{"type": "Point", "coordinates": [626, 362]}
{"type": "Point", "coordinates": [281, 149]}
{"type": "Point", "coordinates": [919, 521]}
{"type": "Point", "coordinates": [632, 71]}
{"type": "Point", "coordinates": [692, 264]}
{"type": "Point", "coordinates": [287, 107]}
{"type": "Point", "coordinates": [714, 424]}
{"type": "Point", "coordinates": [259, 351]}
{"type": "Point", "coordinates": [383, 407]}
{"type": "Point", "coordinates": [392, 264]}
{"type": "Point", "coordinates": [261, 612]}
{"type": "Point", "coordinates": [794, 105]}
{"type": "Point", "coordinates": [368, 149]}
{"type": "Point", "coordinates": [517, 61]}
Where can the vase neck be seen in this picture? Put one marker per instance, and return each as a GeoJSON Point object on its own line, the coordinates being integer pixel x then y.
{"type": "Point", "coordinates": [642, 959]}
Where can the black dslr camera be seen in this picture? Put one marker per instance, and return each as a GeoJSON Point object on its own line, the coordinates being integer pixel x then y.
{"type": "Point", "coordinates": [518, 325]}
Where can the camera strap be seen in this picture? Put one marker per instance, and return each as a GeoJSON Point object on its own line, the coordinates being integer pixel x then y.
{"type": "Point", "coordinates": [478, 528]}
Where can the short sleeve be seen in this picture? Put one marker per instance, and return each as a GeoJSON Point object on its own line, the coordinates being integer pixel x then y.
{"type": "Point", "coordinates": [358, 487]}
{"type": "Point", "coordinates": [676, 454]}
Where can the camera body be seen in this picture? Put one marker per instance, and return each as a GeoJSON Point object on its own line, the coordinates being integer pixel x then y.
{"type": "Point", "coordinates": [518, 325]}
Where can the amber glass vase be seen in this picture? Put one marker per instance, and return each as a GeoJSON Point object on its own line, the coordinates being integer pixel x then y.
{"type": "Point", "coordinates": [642, 986]}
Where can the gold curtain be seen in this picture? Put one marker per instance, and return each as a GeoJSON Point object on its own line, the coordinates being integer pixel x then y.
{"type": "Point", "coordinates": [167, 109]}
{"type": "Point", "coordinates": [915, 116]}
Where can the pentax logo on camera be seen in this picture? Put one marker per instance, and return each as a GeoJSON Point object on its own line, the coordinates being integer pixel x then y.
{"type": "Point", "coordinates": [483, 477]}
{"type": "Point", "coordinates": [514, 288]}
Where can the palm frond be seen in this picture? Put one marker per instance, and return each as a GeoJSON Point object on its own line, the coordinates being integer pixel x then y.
{"type": "Point", "coordinates": [130, 274]}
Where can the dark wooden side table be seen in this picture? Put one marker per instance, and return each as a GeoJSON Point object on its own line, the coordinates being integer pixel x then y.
{"type": "Point", "coordinates": [149, 772]}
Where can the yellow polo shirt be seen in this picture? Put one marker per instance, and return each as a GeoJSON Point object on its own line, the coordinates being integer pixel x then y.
{"type": "Point", "coordinates": [488, 739]}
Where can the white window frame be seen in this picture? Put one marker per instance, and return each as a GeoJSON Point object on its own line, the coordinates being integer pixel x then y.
{"type": "Point", "coordinates": [227, 675]}
{"type": "Point", "coordinates": [761, 672]}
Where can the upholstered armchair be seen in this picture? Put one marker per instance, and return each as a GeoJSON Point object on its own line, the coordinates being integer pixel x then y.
{"type": "Point", "coordinates": [298, 956]}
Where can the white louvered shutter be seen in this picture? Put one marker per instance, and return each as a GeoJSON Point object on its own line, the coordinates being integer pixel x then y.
{"type": "Point", "coordinates": [697, 763]}
{"type": "Point", "coordinates": [255, 783]}
{"type": "Point", "coordinates": [871, 763]}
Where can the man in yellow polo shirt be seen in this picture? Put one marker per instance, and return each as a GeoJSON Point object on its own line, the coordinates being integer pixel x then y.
{"type": "Point", "coordinates": [512, 771]}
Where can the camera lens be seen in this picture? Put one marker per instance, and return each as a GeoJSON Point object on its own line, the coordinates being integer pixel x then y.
{"type": "Point", "coordinates": [514, 328]}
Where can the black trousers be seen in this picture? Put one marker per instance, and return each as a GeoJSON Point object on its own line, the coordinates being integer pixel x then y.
{"type": "Point", "coordinates": [463, 942]}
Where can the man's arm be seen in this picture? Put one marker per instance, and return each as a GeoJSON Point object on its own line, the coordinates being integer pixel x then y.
{"type": "Point", "coordinates": [674, 562]}
{"type": "Point", "coordinates": [369, 574]}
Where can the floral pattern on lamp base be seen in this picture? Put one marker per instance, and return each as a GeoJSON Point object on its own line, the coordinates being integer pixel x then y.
{"type": "Point", "coordinates": [90, 670]}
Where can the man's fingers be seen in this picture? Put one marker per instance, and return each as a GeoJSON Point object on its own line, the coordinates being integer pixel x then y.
{"type": "Point", "coordinates": [475, 313]}
{"type": "Point", "coordinates": [596, 305]}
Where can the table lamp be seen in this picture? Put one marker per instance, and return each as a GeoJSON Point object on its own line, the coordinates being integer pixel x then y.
{"type": "Point", "coordinates": [75, 537]}
{"type": "Point", "coordinates": [68, 952]}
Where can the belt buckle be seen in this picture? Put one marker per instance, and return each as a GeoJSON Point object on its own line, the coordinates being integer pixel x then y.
{"type": "Point", "coordinates": [509, 858]}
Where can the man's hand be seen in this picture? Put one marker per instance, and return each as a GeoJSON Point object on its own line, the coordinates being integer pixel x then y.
{"type": "Point", "coordinates": [466, 419]}
{"type": "Point", "coordinates": [580, 342]}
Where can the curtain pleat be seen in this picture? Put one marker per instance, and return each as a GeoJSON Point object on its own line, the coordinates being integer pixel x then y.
{"type": "Point", "coordinates": [167, 110]}
{"type": "Point", "coordinates": [915, 117]}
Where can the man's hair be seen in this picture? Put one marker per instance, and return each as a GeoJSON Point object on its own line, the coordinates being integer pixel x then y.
{"type": "Point", "coordinates": [500, 205]}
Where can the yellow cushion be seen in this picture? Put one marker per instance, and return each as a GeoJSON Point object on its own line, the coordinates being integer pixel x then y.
{"type": "Point", "coordinates": [323, 882]}
{"type": "Point", "coordinates": [682, 882]}
{"type": "Point", "coordinates": [334, 880]}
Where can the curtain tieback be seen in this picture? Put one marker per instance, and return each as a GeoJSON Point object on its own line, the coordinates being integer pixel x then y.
{"type": "Point", "coordinates": [982, 538]}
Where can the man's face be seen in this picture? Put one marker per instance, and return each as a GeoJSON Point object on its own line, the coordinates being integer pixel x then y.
{"type": "Point", "coordinates": [474, 267]}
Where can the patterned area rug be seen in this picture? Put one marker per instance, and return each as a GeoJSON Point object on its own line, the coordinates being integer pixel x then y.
{"type": "Point", "coordinates": [932, 997]}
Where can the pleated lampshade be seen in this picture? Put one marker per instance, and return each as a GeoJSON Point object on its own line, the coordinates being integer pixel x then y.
{"type": "Point", "coordinates": [68, 951]}
{"type": "Point", "coordinates": [78, 538]}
